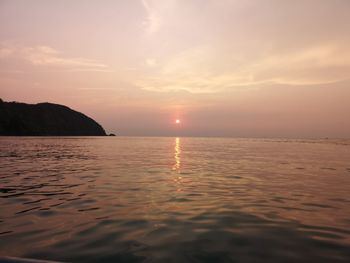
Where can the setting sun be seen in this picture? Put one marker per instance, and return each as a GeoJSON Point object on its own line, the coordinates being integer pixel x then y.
{"type": "Point", "coordinates": [177, 121]}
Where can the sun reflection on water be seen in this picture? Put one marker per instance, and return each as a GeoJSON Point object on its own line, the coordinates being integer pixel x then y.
{"type": "Point", "coordinates": [177, 152]}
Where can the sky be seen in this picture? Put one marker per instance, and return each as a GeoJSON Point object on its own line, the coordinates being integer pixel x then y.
{"type": "Point", "coordinates": [240, 68]}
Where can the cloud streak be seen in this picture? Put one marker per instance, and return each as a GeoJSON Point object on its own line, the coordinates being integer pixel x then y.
{"type": "Point", "coordinates": [48, 56]}
{"type": "Point", "coordinates": [201, 70]}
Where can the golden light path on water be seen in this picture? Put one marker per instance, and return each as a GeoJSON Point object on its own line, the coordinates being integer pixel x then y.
{"type": "Point", "coordinates": [177, 151]}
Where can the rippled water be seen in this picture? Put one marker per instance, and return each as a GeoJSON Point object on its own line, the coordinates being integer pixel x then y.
{"type": "Point", "coordinates": [175, 199]}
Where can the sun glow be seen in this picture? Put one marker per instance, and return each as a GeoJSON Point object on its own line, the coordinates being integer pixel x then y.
{"type": "Point", "coordinates": [177, 121]}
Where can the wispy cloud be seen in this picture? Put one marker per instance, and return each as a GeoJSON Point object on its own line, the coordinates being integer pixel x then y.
{"type": "Point", "coordinates": [202, 70]}
{"type": "Point", "coordinates": [156, 11]}
{"type": "Point", "coordinates": [151, 62]}
{"type": "Point", "coordinates": [48, 56]}
{"type": "Point", "coordinates": [153, 21]}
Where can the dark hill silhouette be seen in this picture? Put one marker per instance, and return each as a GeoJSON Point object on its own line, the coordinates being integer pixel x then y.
{"type": "Point", "coordinates": [45, 119]}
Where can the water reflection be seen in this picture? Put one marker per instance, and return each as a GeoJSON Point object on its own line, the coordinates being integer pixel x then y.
{"type": "Point", "coordinates": [177, 151]}
{"type": "Point", "coordinates": [220, 200]}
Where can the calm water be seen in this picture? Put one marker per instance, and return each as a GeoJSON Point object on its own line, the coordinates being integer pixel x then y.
{"type": "Point", "coordinates": [175, 199]}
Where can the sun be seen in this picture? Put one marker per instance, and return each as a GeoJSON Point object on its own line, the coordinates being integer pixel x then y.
{"type": "Point", "coordinates": [177, 121]}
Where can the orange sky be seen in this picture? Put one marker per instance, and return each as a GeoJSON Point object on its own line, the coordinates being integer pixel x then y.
{"type": "Point", "coordinates": [224, 68]}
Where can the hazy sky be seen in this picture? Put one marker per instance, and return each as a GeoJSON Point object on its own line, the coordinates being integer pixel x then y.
{"type": "Point", "coordinates": [224, 67]}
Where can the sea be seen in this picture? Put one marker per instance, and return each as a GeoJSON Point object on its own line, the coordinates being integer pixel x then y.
{"type": "Point", "coordinates": [166, 199]}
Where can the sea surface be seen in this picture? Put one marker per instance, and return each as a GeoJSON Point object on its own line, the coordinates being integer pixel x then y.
{"type": "Point", "coordinates": [133, 199]}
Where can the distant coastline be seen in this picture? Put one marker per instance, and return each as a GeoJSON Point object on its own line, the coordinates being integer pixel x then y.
{"type": "Point", "coordinates": [45, 119]}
